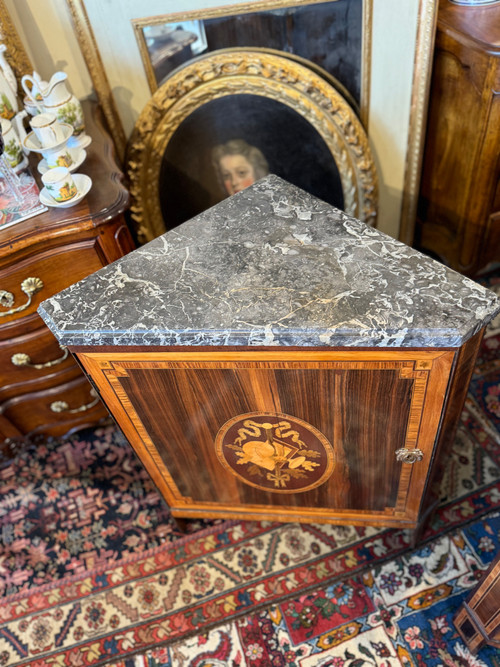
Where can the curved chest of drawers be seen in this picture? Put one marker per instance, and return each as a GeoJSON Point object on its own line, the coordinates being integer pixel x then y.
{"type": "Point", "coordinates": [42, 390]}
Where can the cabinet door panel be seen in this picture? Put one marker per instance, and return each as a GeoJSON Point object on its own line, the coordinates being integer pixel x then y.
{"type": "Point", "coordinates": [295, 438]}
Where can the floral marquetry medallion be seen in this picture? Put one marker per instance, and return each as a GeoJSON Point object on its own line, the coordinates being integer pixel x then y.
{"type": "Point", "coordinates": [275, 452]}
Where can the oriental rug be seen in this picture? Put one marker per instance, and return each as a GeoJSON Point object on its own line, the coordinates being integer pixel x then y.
{"type": "Point", "coordinates": [93, 570]}
{"type": "Point", "coordinates": [399, 613]}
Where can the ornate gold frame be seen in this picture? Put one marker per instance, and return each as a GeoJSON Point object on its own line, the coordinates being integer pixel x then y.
{"type": "Point", "coordinates": [428, 11]}
{"type": "Point", "coordinates": [16, 54]}
{"type": "Point", "coordinates": [246, 71]}
{"type": "Point", "coordinates": [420, 88]}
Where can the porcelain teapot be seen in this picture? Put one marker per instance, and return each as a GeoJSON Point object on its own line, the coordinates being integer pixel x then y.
{"type": "Point", "coordinates": [56, 99]}
{"type": "Point", "coordinates": [8, 88]}
{"type": "Point", "coordinates": [33, 101]}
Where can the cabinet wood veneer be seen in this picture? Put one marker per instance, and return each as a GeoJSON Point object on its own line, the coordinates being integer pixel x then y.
{"type": "Point", "coordinates": [273, 358]}
{"type": "Point", "coordinates": [43, 392]}
{"type": "Point", "coordinates": [459, 207]}
{"type": "Point", "coordinates": [368, 403]}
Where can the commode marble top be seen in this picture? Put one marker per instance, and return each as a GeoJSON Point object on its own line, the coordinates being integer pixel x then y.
{"type": "Point", "coordinates": [272, 265]}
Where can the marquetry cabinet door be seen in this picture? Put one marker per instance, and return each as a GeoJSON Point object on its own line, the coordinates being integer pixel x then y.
{"type": "Point", "coordinates": [336, 436]}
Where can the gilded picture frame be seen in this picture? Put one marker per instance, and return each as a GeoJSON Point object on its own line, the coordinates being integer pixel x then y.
{"type": "Point", "coordinates": [326, 34]}
{"type": "Point", "coordinates": [16, 54]}
{"type": "Point", "coordinates": [262, 85]}
{"type": "Point", "coordinates": [393, 114]}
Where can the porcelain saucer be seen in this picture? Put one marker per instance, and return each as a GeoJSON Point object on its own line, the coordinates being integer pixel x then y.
{"type": "Point", "coordinates": [32, 144]}
{"type": "Point", "coordinates": [81, 141]}
{"type": "Point", "coordinates": [77, 154]}
{"type": "Point", "coordinates": [83, 184]}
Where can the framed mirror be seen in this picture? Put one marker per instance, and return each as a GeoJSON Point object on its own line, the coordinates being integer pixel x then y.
{"type": "Point", "coordinates": [395, 62]}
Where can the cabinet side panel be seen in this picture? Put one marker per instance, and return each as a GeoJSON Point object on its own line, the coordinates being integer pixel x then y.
{"type": "Point", "coordinates": [462, 370]}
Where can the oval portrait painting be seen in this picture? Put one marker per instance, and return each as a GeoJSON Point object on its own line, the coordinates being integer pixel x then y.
{"type": "Point", "coordinates": [230, 142]}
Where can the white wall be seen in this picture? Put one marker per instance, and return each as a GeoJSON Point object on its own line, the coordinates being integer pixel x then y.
{"type": "Point", "coordinates": [47, 33]}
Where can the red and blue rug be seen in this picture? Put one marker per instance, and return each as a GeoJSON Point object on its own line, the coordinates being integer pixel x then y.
{"type": "Point", "coordinates": [93, 570]}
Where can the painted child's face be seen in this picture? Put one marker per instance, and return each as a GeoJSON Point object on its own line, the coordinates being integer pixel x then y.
{"type": "Point", "coordinates": [237, 173]}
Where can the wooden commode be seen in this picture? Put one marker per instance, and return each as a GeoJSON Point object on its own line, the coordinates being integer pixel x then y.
{"type": "Point", "coordinates": [43, 392]}
{"type": "Point", "coordinates": [274, 358]}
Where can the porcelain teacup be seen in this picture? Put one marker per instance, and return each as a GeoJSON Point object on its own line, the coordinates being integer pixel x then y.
{"type": "Point", "coordinates": [60, 156]}
{"type": "Point", "coordinates": [47, 129]}
{"type": "Point", "coordinates": [13, 148]}
{"type": "Point", "coordinates": [59, 184]}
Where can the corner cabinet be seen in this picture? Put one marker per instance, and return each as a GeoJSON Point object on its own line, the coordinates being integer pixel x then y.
{"type": "Point", "coordinates": [459, 206]}
{"type": "Point", "coordinates": [43, 392]}
{"type": "Point", "coordinates": [273, 358]}
{"type": "Point", "coordinates": [344, 436]}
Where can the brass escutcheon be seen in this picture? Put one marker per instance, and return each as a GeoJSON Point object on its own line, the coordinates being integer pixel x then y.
{"type": "Point", "coordinates": [409, 455]}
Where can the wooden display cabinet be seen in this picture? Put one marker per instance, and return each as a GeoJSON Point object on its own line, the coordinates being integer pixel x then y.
{"type": "Point", "coordinates": [275, 359]}
{"type": "Point", "coordinates": [459, 206]}
{"type": "Point", "coordinates": [343, 436]}
{"type": "Point", "coordinates": [478, 619]}
{"type": "Point", "coordinates": [43, 392]}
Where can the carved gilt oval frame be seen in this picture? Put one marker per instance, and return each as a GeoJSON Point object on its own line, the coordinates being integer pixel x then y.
{"type": "Point", "coordinates": [245, 71]}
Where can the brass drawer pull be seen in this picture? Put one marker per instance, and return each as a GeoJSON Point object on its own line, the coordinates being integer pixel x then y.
{"type": "Point", "coordinates": [409, 455]}
{"type": "Point", "coordinates": [62, 406]}
{"type": "Point", "coordinates": [30, 286]}
{"type": "Point", "coordinates": [22, 359]}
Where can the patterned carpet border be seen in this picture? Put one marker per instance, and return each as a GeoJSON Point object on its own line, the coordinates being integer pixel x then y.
{"type": "Point", "coordinates": [173, 592]}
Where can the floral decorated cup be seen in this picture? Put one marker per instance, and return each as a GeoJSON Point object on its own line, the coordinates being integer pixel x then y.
{"type": "Point", "coordinates": [59, 184]}
{"type": "Point", "coordinates": [13, 148]}
{"type": "Point", "coordinates": [58, 157]}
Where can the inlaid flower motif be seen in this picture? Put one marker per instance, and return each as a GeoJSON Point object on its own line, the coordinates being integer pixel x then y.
{"type": "Point", "coordinates": [4, 658]}
{"type": "Point", "coordinates": [412, 636]}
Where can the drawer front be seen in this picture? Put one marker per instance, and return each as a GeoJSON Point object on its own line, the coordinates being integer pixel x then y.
{"type": "Point", "coordinates": [25, 284]}
{"type": "Point", "coordinates": [347, 439]}
{"type": "Point", "coordinates": [34, 362]}
{"type": "Point", "coordinates": [55, 411]}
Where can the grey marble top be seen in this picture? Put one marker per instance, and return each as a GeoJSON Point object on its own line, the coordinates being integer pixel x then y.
{"type": "Point", "coordinates": [272, 265]}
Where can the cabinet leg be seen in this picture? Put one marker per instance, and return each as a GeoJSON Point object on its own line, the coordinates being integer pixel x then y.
{"type": "Point", "coordinates": [180, 523]}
